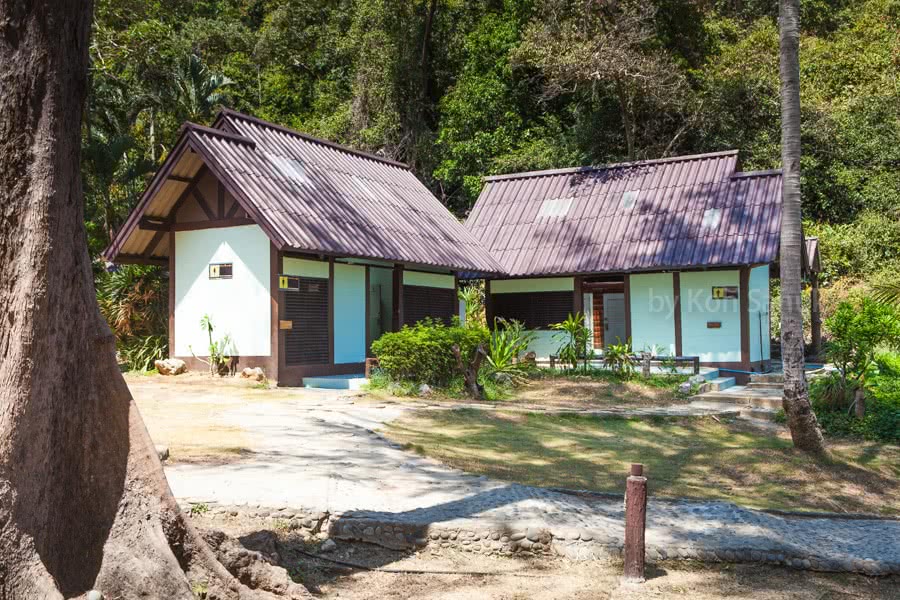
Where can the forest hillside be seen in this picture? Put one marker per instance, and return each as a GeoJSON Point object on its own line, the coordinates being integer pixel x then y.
{"type": "Point", "coordinates": [460, 89]}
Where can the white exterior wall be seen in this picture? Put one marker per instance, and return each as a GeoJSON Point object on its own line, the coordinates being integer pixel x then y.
{"type": "Point", "coordinates": [698, 308]}
{"type": "Point", "coordinates": [758, 308]}
{"type": "Point", "coordinates": [240, 306]}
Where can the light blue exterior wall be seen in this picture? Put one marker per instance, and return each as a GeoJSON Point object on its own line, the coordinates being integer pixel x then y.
{"type": "Point", "coordinates": [435, 280]}
{"type": "Point", "coordinates": [305, 268]}
{"type": "Point", "coordinates": [758, 308]}
{"type": "Point", "coordinates": [349, 313]}
{"type": "Point", "coordinates": [698, 308]}
{"type": "Point", "coordinates": [652, 312]}
{"type": "Point", "coordinates": [548, 284]}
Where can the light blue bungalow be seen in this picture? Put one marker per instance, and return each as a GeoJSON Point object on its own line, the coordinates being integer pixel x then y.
{"type": "Point", "coordinates": [673, 255]}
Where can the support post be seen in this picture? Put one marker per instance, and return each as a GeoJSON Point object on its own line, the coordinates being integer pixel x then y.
{"type": "Point", "coordinates": [815, 316]}
{"type": "Point", "coordinates": [635, 523]}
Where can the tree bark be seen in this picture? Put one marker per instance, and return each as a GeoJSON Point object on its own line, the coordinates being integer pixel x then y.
{"type": "Point", "coordinates": [84, 503]}
{"type": "Point", "coordinates": [802, 421]}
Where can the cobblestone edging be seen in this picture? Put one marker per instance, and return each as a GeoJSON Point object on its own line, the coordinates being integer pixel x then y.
{"type": "Point", "coordinates": [470, 535]}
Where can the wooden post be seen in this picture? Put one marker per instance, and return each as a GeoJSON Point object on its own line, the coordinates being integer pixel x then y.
{"type": "Point", "coordinates": [815, 316]}
{"type": "Point", "coordinates": [635, 523]}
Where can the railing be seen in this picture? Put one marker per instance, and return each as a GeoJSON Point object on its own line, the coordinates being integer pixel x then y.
{"type": "Point", "coordinates": [656, 361]}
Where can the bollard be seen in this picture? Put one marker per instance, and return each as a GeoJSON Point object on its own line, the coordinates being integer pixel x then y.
{"type": "Point", "coordinates": [635, 524]}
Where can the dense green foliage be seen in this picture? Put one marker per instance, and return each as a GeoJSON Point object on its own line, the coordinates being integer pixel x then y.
{"type": "Point", "coordinates": [482, 89]}
{"type": "Point", "coordinates": [856, 334]}
{"type": "Point", "coordinates": [423, 353]}
{"type": "Point", "coordinates": [462, 89]}
{"type": "Point", "coordinates": [831, 402]}
{"type": "Point", "coordinates": [133, 301]}
{"type": "Point", "coordinates": [858, 331]}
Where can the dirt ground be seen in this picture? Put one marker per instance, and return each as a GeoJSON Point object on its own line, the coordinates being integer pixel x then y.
{"type": "Point", "coordinates": [569, 392]}
{"type": "Point", "coordinates": [456, 576]}
{"type": "Point", "coordinates": [185, 413]}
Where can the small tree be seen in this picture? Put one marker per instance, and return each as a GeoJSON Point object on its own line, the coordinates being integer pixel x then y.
{"type": "Point", "coordinates": [220, 351]}
{"type": "Point", "coordinates": [857, 332]}
{"type": "Point", "coordinates": [574, 336]}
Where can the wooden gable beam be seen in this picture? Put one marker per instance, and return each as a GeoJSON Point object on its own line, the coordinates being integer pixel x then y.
{"type": "Point", "coordinates": [198, 196]}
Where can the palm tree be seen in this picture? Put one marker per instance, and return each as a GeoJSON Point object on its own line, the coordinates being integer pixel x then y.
{"type": "Point", "coordinates": [889, 293]}
{"type": "Point", "coordinates": [197, 90]}
{"type": "Point", "coordinates": [802, 421]}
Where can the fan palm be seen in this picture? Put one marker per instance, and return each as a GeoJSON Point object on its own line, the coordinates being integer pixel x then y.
{"type": "Point", "coordinates": [197, 90]}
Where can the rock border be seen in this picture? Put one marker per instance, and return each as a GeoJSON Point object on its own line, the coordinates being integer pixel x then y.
{"type": "Point", "coordinates": [470, 536]}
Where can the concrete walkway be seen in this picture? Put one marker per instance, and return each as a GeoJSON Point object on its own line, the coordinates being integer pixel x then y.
{"type": "Point", "coordinates": [324, 456]}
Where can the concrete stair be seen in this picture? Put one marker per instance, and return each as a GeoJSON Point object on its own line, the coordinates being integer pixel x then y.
{"type": "Point", "coordinates": [719, 384]}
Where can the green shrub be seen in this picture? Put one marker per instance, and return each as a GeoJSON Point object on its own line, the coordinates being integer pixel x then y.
{"type": "Point", "coordinates": [423, 353]}
{"type": "Point", "coordinates": [882, 420]}
{"type": "Point", "coordinates": [857, 333]}
{"type": "Point", "coordinates": [617, 357]}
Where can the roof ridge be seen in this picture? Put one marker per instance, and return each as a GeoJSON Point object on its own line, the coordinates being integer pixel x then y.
{"type": "Point", "coordinates": [764, 173]}
{"type": "Point", "coordinates": [229, 112]}
{"type": "Point", "coordinates": [591, 168]}
{"type": "Point", "coordinates": [188, 126]}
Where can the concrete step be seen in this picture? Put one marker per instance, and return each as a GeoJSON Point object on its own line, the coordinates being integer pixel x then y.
{"type": "Point", "coordinates": [761, 385]}
{"type": "Point", "coordinates": [336, 382]}
{"type": "Point", "coordinates": [719, 384]}
{"type": "Point", "coordinates": [739, 394]}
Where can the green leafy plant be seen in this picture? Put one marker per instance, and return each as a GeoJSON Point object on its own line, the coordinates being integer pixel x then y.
{"type": "Point", "coordinates": [508, 343]}
{"type": "Point", "coordinates": [423, 353]}
{"type": "Point", "coordinates": [857, 332]}
{"type": "Point", "coordinates": [140, 352]}
{"type": "Point", "coordinates": [618, 358]}
{"type": "Point", "coordinates": [573, 336]}
{"type": "Point", "coordinates": [134, 301]}
{"type": "Point", "coordinates": [220, 351]}
{"type": "Point", "coordinates": [472, 295]}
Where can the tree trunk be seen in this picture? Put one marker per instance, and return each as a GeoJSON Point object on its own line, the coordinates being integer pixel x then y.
{"type": "Point", "coordinates": [84, 503]}
{"type": "Point", "coordinates": [801, 419]}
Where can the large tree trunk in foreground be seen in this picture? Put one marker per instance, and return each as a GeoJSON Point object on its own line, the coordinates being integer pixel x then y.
{"type": "Point", "coordinates": [84, 503]}
{"type": "Point", "coordinates": [801, 419]}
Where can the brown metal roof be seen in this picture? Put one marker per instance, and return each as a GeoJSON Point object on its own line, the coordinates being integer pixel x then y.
{"type": "Point", "coordinates": [683, 212]}
{"type": "Point", "coordinates": [314, 196]}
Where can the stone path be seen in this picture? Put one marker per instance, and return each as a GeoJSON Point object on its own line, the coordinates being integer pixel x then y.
{"type": "Point", "coordinates": [319, 463]}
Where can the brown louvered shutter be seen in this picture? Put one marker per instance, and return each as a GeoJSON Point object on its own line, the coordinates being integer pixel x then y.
{"type": "Point", "coordinates": [306, 343]}
{"type": "Point", "coordinates": [537, 310]}
{"type": "Point", "coordinates": [420, 302]}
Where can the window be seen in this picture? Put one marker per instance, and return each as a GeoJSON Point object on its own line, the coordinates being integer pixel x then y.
{"type": "Point", "coordinates": [537, 310]}
{"type": "Point", "coordinates": [629, 199]}
{"type": "Point", "coordinates": [421, 302]}
{"type": "Point", "coordinates": [711, 218]}
{"type": "Point", "coordinates": [555, 208]}
{"type": "Point", "coordinates": [220, 270]}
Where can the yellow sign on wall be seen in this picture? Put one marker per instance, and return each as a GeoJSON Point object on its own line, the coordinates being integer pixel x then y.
{"type": "Point", "coordinates": [724, 292]}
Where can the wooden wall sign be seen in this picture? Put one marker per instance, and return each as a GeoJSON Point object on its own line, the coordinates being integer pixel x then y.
{"type": "Point", "coordinates": [725, 292]}
{"type": "Point", "coordinates": [285, 324]}
{"type": "Point", "coordinates": [714, 324]}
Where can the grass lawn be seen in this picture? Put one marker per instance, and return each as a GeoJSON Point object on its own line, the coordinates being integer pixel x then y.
{"type": "Point", "coordinates": [695, 457]}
